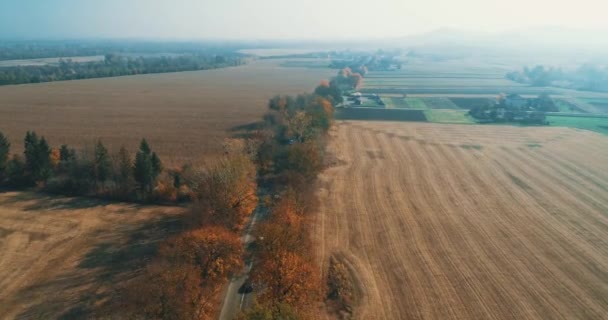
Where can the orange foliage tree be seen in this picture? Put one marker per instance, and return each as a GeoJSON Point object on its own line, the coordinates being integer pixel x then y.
{"type": "Point", "coordinates": [55, 158]}
{"type": "Point", "coordinates": [287, 278]}
{"type": "Point", "coordinates": [227, 193]}
{"type": "Point", "coordinates": [214, 251]}
{"type": "Point", "coordinates": [184, 280]}
{"type": "Point", "coordinates": [165, 291]}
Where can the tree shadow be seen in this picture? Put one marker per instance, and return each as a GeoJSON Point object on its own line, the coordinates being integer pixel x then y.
{"type": "Point", "coordinates": [246, 130]}
{"type": "Point", "coordinates": [90, 286]}
{"type": "Point", "coordinates": [18, 197]}
{"type": "Point", "coordinates": [252, 126]}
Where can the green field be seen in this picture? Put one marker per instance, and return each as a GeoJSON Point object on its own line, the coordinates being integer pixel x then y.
{"type": "Point", "coordinates": [448, 116]}
{"type": "Point", "coordinates": [444, 91]}
{"type": "Point", "coordinates": [586, 123]}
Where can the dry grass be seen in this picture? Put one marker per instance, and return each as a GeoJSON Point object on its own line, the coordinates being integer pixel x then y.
{"type": "Point", "coordinates": [468, 222]}
{"type": "Point", "coordinates": [61, 257]}
{"type": "Point", "coordinates": [184, 115]}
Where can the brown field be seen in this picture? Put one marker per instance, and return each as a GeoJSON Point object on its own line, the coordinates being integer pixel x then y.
{"type": "Point", "coordinates": [183, 115]}
{"type": "Point", "coordinates": [59, 257]}
{"type": "Point", "coordinates": [468, 222]}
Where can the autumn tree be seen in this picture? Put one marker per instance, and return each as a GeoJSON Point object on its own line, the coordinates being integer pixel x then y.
{"type": "Point", "coordinates": [287, 278]}
{"type": "Point", "coordinates": [285, 230]}
{"type": "Point", "coordinates": [5, 147]}
{"type": "Point", "coordinates": [226, 193]}
{"type": "Point", "coordinates": [214, 251]}
{"type": "Point", "coordinates": [329, 90]}
{"type": "Point", "coordinates": [321, 113]}
{"type": "Point", "coordinates": [277, 311]}
{"type": "Point", "coordinates": [302, 159]}
{"type": "Point", "coordinates": [166, 290]}
{"type": "Point", "coordinates": [55, 158]}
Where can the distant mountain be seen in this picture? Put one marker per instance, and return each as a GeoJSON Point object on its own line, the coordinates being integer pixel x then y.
{"type": "Point", "coordinates": [554, 40]}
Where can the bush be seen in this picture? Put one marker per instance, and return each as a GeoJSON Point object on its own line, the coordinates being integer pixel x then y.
{"type": "Point", "coordinates": [340, 286]}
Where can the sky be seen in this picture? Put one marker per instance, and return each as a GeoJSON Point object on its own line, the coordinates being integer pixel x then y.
{"type": "Point", "coordinates": [285, 19]}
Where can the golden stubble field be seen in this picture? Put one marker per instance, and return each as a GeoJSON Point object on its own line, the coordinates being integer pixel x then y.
{"type": "Point", "coordinates": [468, 222]}
{"type": "Point", "coordinates": [63, 257]}
{"type": "Point", "coordinates": [184, 116]}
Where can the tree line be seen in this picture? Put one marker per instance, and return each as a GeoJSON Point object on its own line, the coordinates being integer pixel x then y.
{"type": "Point", "coordinates": [282, 158]}
{"type": "Point", "coordinates": [184, 279]}
{"type": "Point", "coordinates": [26, 49]}
{"type": "Point", "coordinates": [95, 172]}
{"type": "Point", "coordinates": [114, 65]}
{"type": "Point", "coordinates": [285, 277]}
{"type": "Point", "coordinates": [586, 77]}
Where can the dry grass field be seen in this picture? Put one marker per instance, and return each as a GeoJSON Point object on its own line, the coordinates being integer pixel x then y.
{"type": "Point", "coordinates": [468, 222]}
{"type": "Point", "coordinates": [59, 257]}
{"type": "Point", "coordinates": [183, 115]}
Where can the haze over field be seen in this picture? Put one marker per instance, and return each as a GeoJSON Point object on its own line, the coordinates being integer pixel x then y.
{"type": "Point", "coordinates": [303, 159]}
{"type": "Point", "coordinates": [278, 19]}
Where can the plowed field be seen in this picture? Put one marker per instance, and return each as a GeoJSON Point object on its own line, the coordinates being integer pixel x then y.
{"type": "Point", "coordinates": [468, 222]}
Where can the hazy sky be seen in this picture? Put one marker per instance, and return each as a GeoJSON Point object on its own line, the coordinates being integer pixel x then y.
{"type": "Point", "coordinates": [272, 19]}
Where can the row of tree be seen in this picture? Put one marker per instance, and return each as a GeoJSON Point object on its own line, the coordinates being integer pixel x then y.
{"type": "Point", "coordinates": [97, 173]}
{"type": "Point", "coordinates": [185, 278]}
{"type": "Point", "coordinates": [36, 49]}
{"type": "Point", "coordinates": [586, 77]}
{"type": "Point", "coordinates": [116, 65]}
{"type": "Point", "coordinates": [285, 277]}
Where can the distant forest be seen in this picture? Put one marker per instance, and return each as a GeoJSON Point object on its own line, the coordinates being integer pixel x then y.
{"type": "Point", "coordinates": [119, 59]}
{"type": "Point", "coordinates": [115, 65]}
{"type": "Point", "coordinates": [22, 50]}
{"type": "Point", "coordinates": [587, 77]}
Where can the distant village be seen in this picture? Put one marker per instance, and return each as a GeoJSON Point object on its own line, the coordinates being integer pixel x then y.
{"type": "Point", "coordinates": [515, 108]}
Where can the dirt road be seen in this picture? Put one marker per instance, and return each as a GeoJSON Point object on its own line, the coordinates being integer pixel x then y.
{"type": "Point", "coordinates": [468, 222]}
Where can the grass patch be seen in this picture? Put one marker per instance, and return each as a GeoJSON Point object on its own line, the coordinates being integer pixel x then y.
{"type": "Point", "coordinates": [586, 123]}
{"type": "Point", "coordinates": [534, 145]}
{"type": "Point", "coordinates": [415, 103]}
{"type": "Point", "coordinates": [439, 103]}
{"type": "Point", "coordinates": [448, 116]}
{"type": "Point", "coordinates": [404, 103]}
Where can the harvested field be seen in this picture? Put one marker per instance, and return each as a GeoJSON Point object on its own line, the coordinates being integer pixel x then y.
{"type": "Point", "coordinates": [468, 222]}
{"type": "Point", "coordinates": [183, 115]}
{"type": "Point", "coordinates": [60, 257]}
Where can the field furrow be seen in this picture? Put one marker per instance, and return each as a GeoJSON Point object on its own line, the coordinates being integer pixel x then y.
{"type": "Point", "coordinates": [468, 222]}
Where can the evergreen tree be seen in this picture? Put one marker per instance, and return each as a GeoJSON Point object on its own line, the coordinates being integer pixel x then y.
{"type": "Point", "coordinates": [157, 166]}
{"type": "Point", "coordinates": [102, 164]}
{"type": "Point", "coordinates": [4, 152]}
{"type": "Point", "coordinates": [31, 146]}
{"type": "Point", "coordinates": [66, 154]}
{"type": "Point", "coordinates": [44, 169]}
{"type": "Point", "coordinates": [147, 167]}
{"type": "Point", "coordinates": [37, 157]}
{"type": "Point", "coordinates": [124, 171]}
